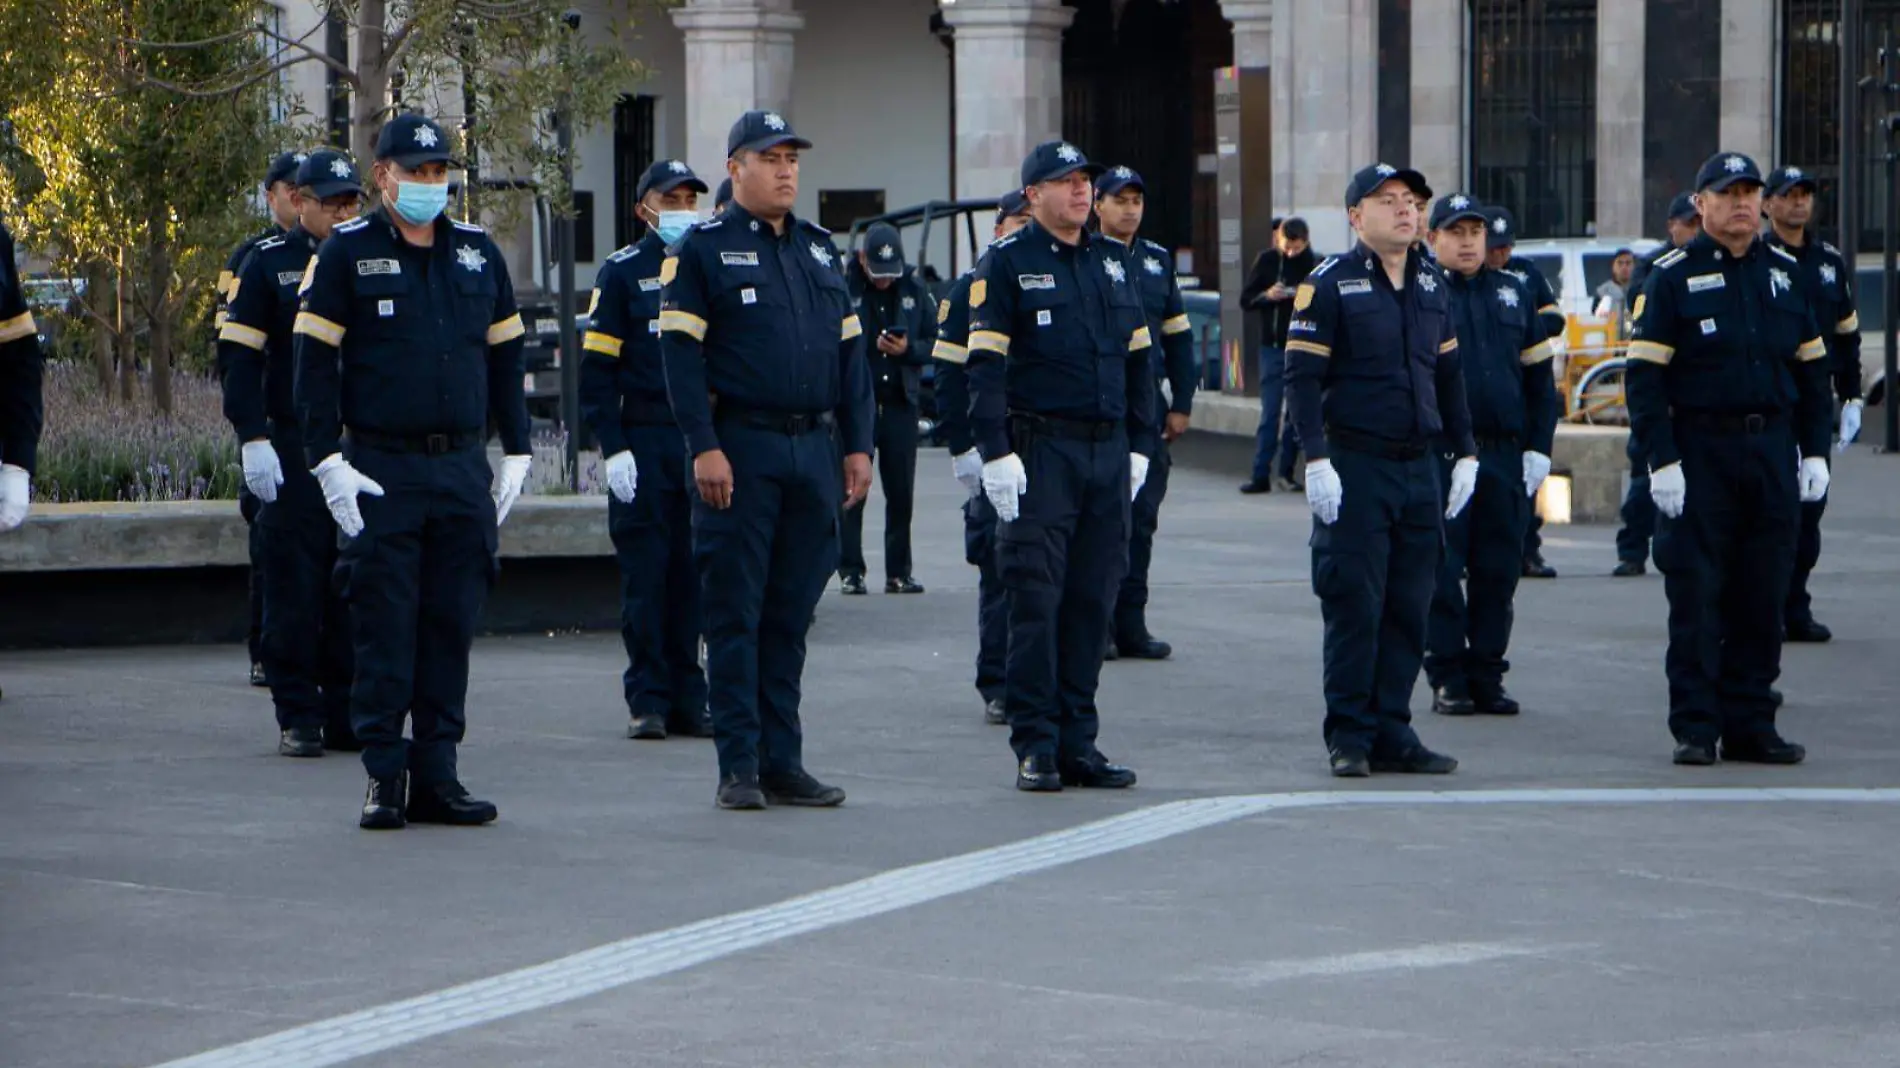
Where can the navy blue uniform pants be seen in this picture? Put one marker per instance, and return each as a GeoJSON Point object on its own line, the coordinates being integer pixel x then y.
{"type": "Point", "coordinates": [248, 507]}
{"type": "Point", "coordinates": [1374, 570]}
{"type": "Point", "coordinates": [1807, 553]}
{"type": "Point", "coordinates": [306, 641]}
{"type": "Point", "coordinates": [416, 579]}
{"type": "Point", "coordinates": [1470, 622]}
{"type": "Point", "coordinates": [1274, 437]}
{"type": "Point", "coordinates": [1144, 519]}
{"type": "Point", "coordinates": [992, 602]}
{"type": "Point", "coordinates": [659, 584]}
{"type": "Point", "coordinates": [1639, 512]}
{"type": "Point", "coordinates": [1061, 561]}
{"type": "Point", "coordinates": [1726, 562]}
{"type": "Point", "coordinates": [894, 446]}
{"type": "Point", "coordinates": [763, 564]}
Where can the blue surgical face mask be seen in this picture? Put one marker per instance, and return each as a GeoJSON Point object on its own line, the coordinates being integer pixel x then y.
{"type": "Point", "coordinates": [672, 225]}
{"type": "Point", "coordinates": [421, 202]}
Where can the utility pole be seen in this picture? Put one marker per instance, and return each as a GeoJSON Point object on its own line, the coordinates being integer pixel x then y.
{"type": "Point", "coordinates": [564, 229]}
{"type": "Point", "coordinates": [1888, 84]}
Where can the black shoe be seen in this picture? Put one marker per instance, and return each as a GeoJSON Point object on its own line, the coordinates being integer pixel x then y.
{"type": "Point", "coordinates": [1498, 702]}
{"type": "Point", "coordinates": [647, 727]}
{"type": "Point", "coordinates": [1695, 754]}
{"type": "Point", "coordinates": [994, 713]}
{"type": "Point", "coordinates": [257, 675]}
{"type": "Point", "coordinates": [690, 723]}
{"type": "Point", "coordinates": [1256, 485]}
{"type": "Point", "coordinates": [1097, 772]}
{"type": "Point", "coordinates": [1350, 764]}
{"type": "Point", "coordinates": [1772, 749]}
{"type": "Point", "coordinates": [799, 789]}
{"type": "Point", "coordinates": [903, 585]}
{"type": "Point", "coordinates": [450, 803]}
{"type": "Point", "coordinates": [1807, 630]}
{"type": "Point", "coordinates": [1452, 701]}
{"type": "Point", "coordinates": [1535, 567]}
{"type": "Point", "coordinates": [1417, 760]}
{"type": "Point", "coordinates": [385, 804]}
{"type": "Point", "coordinates": [741, 792]}
{"type": "Point", "coordinates": [300, 742]}
{"type": "Point", "coordinates": [1037, 774]}
{"type": "Point", "coordinates": [1144, 648]}
{"type": "Point", "coordinates": [853, 585]}
{"type": "Point", "coordinates": [341, 739]}
{"type": "Point", "coordinates": [1629, 569]}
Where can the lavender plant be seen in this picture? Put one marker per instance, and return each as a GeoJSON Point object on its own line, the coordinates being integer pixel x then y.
{"type": "Point", "coordinates": [95, 450]}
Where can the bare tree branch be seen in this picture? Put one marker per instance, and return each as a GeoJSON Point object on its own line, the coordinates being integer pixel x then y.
{"type": "Point", "coordinates": [342, 69]}
{"type": "Point", "coordinates": [395, 45]}
{"type": "Point", "coordinates": [206, 43]}
{"type": "Point", "coordinates": [146, 81]}
{"type": "Point", "coordinates": [502, 9]}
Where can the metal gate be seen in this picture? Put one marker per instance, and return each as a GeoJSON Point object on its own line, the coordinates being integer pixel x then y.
{"type": "Point", "coordinates": [1533, 111]}
{"type": "Point", "coordinates": [1811, 107]}
{"type": "Point", "coordinates": [633, 154]}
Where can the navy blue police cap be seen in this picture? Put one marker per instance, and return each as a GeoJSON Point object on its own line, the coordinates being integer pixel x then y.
{"type": "Point", "coordinates": [1458, 206]}
{"type": "Point", "coordinates": [1055, 159]}
{"type": "Point", "coordinates": [1683, 208]}
{"type": "Point", "coordinates": [1116, 179]}
{"type": "Point", "coordinates": [1725, 169]}
{"type": "Point", "coordinates": [284, 168]}
{"type": "Point", "coordinates": [665, 176]}
{"type": "Point", "coordinates": [1010, 205]}
{"type": "Point", "coordinates": [329, 173]}
{"type": "Point", "coordinates": [1785, 180]}
{"type": "Point", "coordinates": [410, 140]}
{"type": "Point", "coordinates": [1371, 178]}
{"type": "Point", "coordinates": [883, 251]}
{"type": "Point", "coordinates": [724, 195]}
{"type": "Point", "coordinates": [1503, 228]}
{"type": "Point", "coordinates": [757, 131]}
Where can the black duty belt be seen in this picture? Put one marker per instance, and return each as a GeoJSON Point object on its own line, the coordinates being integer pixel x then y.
{"type": "Point", "coordinates": [1372, 445]}
{"type": "Point", "coordinates": [636, 412]}
{"type": "Point", "coordinates": [427, 444]}
{"type": "Point", "coordinates": [1030, 424]}
{"type": "Point", "coordinates": [1733, 422]}
{"type": "Point", "coordinates": [1498, 441]}
{"type": "Point", "coordinates": [792, 423]}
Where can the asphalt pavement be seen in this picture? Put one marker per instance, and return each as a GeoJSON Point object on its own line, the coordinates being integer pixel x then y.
{"type": "Point", "coordinates": [170, 888]}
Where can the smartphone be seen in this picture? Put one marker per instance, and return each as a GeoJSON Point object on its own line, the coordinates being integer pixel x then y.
{"type": "Point", "coordinates": [896, 331]}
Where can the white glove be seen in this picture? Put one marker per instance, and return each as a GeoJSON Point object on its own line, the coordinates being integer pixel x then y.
{"type": "Point", "coordinates": [263, 472]}
{"type": "Point", "coordinates": [14, 494]}
{"type": "Point", "coordinates": [969, 470]}
{"type": "Point", "coordinates": [1464, 482]}
{"type": "Point", "coordinates": [1323, 491]}
{"type": "Point", "coordinates": [1814, 478]}
{"type": "Point", "coordinates": [622, 475]}
{"type": "Point", "coordinates": [1536, 470]}
{"type": "Point", "coordinates": [514, 473]}
{"type": "Point", "coordinates": [1850, 424]}
{"type": "Point", "coordinates": [1137, 474]}
{"type": "Point", "coordinates": [341, 483]}
{"type": "Point", "coordinates": [1668, 490]}
{"type": "Point", "coordinates": [1005, 481]}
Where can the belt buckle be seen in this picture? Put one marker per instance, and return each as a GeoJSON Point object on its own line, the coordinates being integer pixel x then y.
{"type": "Point", "coordinates": [1754, 423]}
{"type": "Point", "coordinates": [435, 444]}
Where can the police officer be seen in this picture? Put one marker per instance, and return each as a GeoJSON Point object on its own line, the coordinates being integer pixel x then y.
{"type": "Point", "coordinates": [1120, 201]}
{"type": "Point", "coordinates": [1826, 279]}
{"type": "Point", "coordinates": [22, 409]}
{"type": "Point", "coordinates": [1506, 361]}
{"type": "Point", "coordinates": [901, 323]}
{"type": "Point", "coordinates": [623, 398]}
{"type": "Point", "coordinates": [1639, 510]}
{"type": "Point", "coordinates": [1727, 378]}
{"type": "Point", "coordinates": [1502, 256]}
{"type": "Point", "coordinates": [722, 198]}
{"type": "Point", "coordinates": [1374, 379]}
{"type": "Point", "coordinates": [1062, 402]}
{"type": "Point", "coordinates": [766, 373]}
{"type": "Point", "coordinates": [408, 340]}
{"type": "Point", "coordinates": [952, 353]}
{"type": "Point", "coordinates": [306, 626]}
{"type": "Point", "coordinates": [280, 187]}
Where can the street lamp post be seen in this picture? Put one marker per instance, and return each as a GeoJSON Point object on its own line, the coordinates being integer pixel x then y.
{"type": "Point", "coordinates": [564, 229]}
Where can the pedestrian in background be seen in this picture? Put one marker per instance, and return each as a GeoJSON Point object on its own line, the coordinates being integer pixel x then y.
{"type": "Point", "coordinates": [1276, 275]}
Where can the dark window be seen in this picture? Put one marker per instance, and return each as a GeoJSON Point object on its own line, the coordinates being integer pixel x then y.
{"type": "Point", "coordinates": [1395, 81]}
{"type": "Point", "coordinates": [633, 154]}
{"type": "Point", "coordinates": [1682, 99]}
{"type": "Point", "coordinates": [1811, 107]}
{"type": "Point", "coordinates": [583, 226]}
{"type": "Point", "coordinates": [1533, 111]}
{"type": "Point", "coordinates": [839, 208]}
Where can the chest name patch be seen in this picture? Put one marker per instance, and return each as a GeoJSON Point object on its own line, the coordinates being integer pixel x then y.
{"type": "Point", "coordinates": [1354, 285]}
{"type": "Point", "coordinates": [650, 285]}
{"type": "Point", "coordinates": [289, 278]}
{"type": "Point", "coordinates": [1704, 282]}
{"type": "Point", "coordinates": [739, 259]}
{"type": "Point", "coordinates": [1036, 281]}
{"type": "Point", "coordinates": [366, 268]}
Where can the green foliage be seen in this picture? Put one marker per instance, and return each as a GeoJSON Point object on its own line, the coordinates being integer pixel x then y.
{"type": "Point", "coordinates": [93, 450]}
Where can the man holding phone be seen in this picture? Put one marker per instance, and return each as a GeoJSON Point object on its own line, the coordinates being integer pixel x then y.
{"type": "Point", "coordinates": [900, 319]}
{"type": "Point", "coordinates": [1275, 277]}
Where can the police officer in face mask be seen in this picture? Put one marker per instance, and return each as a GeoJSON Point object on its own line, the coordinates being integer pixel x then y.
{"type": "Point", "coordinates": [623, 398]}
{"type": "Point", "coordinates": [408, 341]}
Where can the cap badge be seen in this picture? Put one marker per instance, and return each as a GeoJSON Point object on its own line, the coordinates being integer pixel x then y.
{"type": "Point", "coordinates": [676, 167]}
{"type": "Point", "coordinates": [1386, 170]}
{"type": "Point", "coordinates": [772, 121]}
{"type": "Point", "coordinates": [1460, 202]}
{"type": "Point", "coordinates": [1794, 172]}
{"type": "Point", "coordinates": [1068, 154]}
{"type": "Point", "coordinates": [1735, 164]}
{"type": "Point", "coordinates": [425, 136]}
{"type": "Point", "coordinates": [1122, 172]}
{"type": "Point", "coordinates": [340, 168]}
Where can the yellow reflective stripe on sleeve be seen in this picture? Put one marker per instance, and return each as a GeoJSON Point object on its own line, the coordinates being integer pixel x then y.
{"type": "Point", "coordinates": [989, 341]}
{"type": "Point", "coordinates": [605, 344]}
{"type": "Point", "coordinates": [668, 268]}
{"type": "Point", "coordinates": [683, 322]}
{"type": "Point", "coordinates": [318, 327]}
{"type": "Point", "coordinates": [19, 326]}
{"type": "Point", "coordinates": [1140, 339]}
{"type": "Point", "coordinates": [1450, 345]}
{"type": "Point", "coordinates": [1549, 309]}
{"type": "Point", "coordinates": [309, 272]}
{"type": "Point", "coordinates": [950, 352]}
{"type": "Point", "coordinates": [1651, 352]}
{"type": "Point", "coordinates": [1312, 347]}
{"type": "Point", "coordinates": [1536, 354]}
{"type": "Point", "coordinates": [850, 329]}
{"type": "Point", "coordinates": [223, 286]}
{"type": "Point", "coordinates": [248, 336]}
{"type": "Point", "coordinates": [507, 330]}
{"type": "Point", "coordinates": [1812, 349]}
{"type": "Point", "coordinates": [1176, 325]}
{"type": "Point", "coordinates": [1848, 325]}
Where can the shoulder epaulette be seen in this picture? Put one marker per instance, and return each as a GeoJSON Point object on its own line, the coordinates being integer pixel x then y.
{"type": "Point", "coordinates": [351, 226]}
{"type": "Point", "coordinates": [623, 255]}
{"type": "Point", "coordinates": [1830, 249]}
{"type": "Point", "coordinates": [467, 227]}
{"type": "Point", "coordinates": [809, 225]}
{"type": "Point", "coordinates": [269, 243]}
{"type": "Point", "coordinates": [1156, 245]}
{"type": "Point", "coordinates": [1324, 265]}
{"type": "Point", "coordinates": [1783, 253]}
{"type": "Point", "coordinates": [1669, 259]}
{"type": "Point", "coordinates": [1005, 242]}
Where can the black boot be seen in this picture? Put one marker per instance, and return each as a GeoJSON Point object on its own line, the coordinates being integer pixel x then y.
{"type": "Point", "coordinates": [740, 793]}
{"type": "Point", "coordinates": [1494, 700]}
{"type": "Point", "coordinates": [1452, 699]}
{"type": "Point", "coordinates": [799, 789]}
{"type": "Point", "coordinates": [1132, 639]}
{"type": "Point", "coordinates": [690, 722]}
{"type": "Point", "coordinates": [647, 727]}
{"type": "Point", "coordinates": [994, 713]}
{"type": "Point", "coordinates": [300, 742]}
{"type": "Point", "coordinates": [448, 802]}
{"type": "Point", "coordinates": [386, 804]}
{"type": "Point", "coordinates": [1037, 774]}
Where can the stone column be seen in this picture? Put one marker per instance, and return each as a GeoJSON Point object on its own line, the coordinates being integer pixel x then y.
{"type": "Point", "coordinates": [1439, 63]}
{"type": "Point", "coordinates": [1748, 79]}
{"type": "Point", "coordinates": [1621, 33]}
{"type": "Point", "coordinates": [1326, 56]}
{"type": "Point", "coordinates": [738, 57]}
{"type": "Point", "coordinates": [1009, 87]}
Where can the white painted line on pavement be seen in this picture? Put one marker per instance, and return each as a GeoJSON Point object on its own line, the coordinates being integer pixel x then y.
{"type": "Point", "coordinates": [616, 964]}
{"type": "Point", "coordinates": [1435, 955]}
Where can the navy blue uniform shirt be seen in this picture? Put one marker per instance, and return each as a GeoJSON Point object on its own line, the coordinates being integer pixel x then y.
{"type": "Point", "coordinates": [1713, 334]}
{"type": "Point", "coordinates": [1375, 361]}
{"type": "Point", "coordinates": [254, 344]}
{"type": "Point", "coordinates": [1828, 282]}
{"type": "Point", "coordinates": [1057, 330]}
{"type": "Point", "coordinates": [952, 353]}
{"type": "Point", "coordinates": [1548, 313]}
{"type": "Point", "coordinates": [1152, 268]}
{"type": "Point", "coordinates": [621, 350]}
{"type": "Point", "coordinates": [407, 341]}
{"type": "Point", "coordinates": [907, 306]}
{"type": "Point", "coordinates": [763, 321]}
{"type": "Point", "coordinates": [22, 409]}
{"type": "Point", "coordinates": [1506, 358]}
{"type": "Point", "coordinates": [222, 287]}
